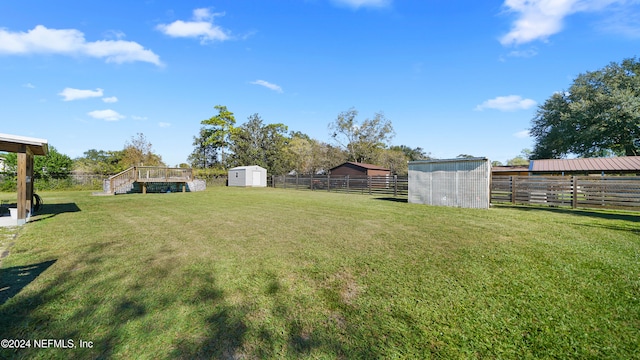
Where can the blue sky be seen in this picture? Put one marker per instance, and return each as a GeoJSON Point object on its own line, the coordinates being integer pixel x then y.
{"type": "Point", "coordinates": [452, 76]}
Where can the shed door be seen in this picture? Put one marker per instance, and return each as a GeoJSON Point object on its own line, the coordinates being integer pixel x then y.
{"type": "Point", "coordinates": [256, 178]}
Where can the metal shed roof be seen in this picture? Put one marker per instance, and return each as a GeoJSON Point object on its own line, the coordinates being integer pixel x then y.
{"type": "Point", "coordinates": [614, 164]}
{"type": "Point", "coordinates": [12, 143]}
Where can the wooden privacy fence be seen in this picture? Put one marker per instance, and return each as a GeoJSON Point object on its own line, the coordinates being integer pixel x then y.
{"type": "Point", "coordinates": [372, 185]}
{"type": "Point", "coordinates": [574, 191]}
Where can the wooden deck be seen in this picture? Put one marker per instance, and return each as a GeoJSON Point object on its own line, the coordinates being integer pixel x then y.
{"type": "Point", "coordinates": [144, 175]}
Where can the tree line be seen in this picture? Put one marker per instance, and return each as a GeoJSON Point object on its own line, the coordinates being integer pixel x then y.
{"type": "Point", "coordinates": [599, 115]}
{"type": "Point", "coordinates": [221, 144]}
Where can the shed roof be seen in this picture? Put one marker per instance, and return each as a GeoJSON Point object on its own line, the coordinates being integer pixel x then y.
{"type": "Point", "coordinates": [614, 164]}
{"type": "Point", "coordinates": [362, 165]}
{"type": "Point", "coordinates": [499, 169]}
{"type": "Point", "coordinates": [431, 161]}
{"type": "Point", "coordinates": [253, 167]}
{"type": "Point", "coordinates": [12, 143]}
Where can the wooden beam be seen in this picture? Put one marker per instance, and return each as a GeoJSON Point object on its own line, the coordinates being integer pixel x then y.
{"type": "Point", "coordinates": [25, 182]}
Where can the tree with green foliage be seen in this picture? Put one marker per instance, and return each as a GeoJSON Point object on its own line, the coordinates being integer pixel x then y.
{"type": "Point", "coordinates": [54, 165]}
{"type": "Point", "coordinates": [205, 153]}
{"type": "Point", "coordinates": [310, 156]}
{"type": "Point", "coordinates": [255, 143]}
{"type": "Point", "coordinates": [393, 159]}
{"type": "Point", "coordinates": [598, 116]}
{"type": "Point", "coordinates": [139, 152]}
{"type": "Point", "coordinates": [100, 162]}
{"type": "Point", "coordinates": [214, 139]}
{"type": "Point", "coordinates": [412, 154]}
{"type": "Point", "coordinates": [520, 160]}
{"type": "Point", "coordinates": [361, 140]}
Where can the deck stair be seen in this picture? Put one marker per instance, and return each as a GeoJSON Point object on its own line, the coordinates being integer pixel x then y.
{"type": "Point", "coordinates": [141, 178]}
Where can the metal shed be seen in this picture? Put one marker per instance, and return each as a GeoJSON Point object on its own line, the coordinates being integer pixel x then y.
{"type": "Point", "coordinates": [248, 176]}
{"type": "Point", "coordinates": [450, 182]}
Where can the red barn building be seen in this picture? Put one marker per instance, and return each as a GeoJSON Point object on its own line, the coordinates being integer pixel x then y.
{"type": "Point", "coordinates": [359, 169]}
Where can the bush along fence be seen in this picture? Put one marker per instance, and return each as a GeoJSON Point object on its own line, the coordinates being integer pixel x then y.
{"type": "Point", "coordinates": [371, 185]}
{"type": "Point", "coordinates": [618, 192]}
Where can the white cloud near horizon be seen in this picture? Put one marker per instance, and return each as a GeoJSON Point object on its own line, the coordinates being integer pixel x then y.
{"type": "Point", "coordinates": [522, 134]}
{"type": "Point", "coordinates": [106, 115]}
{"type": "Point", "coordinates": [70, 94]}
{"type": "Point", "coordinates": [111, 99]}
{"type": "Point", "coordinates": [507, 103]}
{"type": "Point", "coordinates": [539, 19]}
{"type": "Point", "coordinates": [268, 85]}
{"type": "Point", "coordinates": [41, 40]}
{"type": "Point", "coordinates": [164, 124]}
{"type": "Point", "coordinates": [201, 27]}
{"type": "Point", "coordinates": [355, 4]}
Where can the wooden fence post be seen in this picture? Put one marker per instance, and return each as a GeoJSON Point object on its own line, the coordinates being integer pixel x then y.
{"type": "Point", "coordinates": [574, 192]}
{"type": "Point", "coordinates": [512, 183]}
{"type": "Point", "coordinates": [369, 183]}
{"type": "Point", "coordinates": [311, 182]}
{"type": "Point", "coordinates": [395, 185]}
{"type": "Point", "coordinates": [328, 182]}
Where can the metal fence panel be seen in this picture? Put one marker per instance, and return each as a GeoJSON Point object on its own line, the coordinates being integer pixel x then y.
{"type": "Point", "coordinates": [454, 182]}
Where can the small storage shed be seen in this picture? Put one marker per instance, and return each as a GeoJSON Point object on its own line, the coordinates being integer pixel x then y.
{"type": "Point", "coordinates": [450, 182]}
{"type": "Point", "coordinates": [248, 176]}
{"type": "Point", "coordinates": [359, 169]}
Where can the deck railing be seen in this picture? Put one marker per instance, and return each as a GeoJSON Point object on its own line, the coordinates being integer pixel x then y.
{"type": "Point", "coordinates": [158, 174]}
{"type": "Point", "coordinates": [123, 181]}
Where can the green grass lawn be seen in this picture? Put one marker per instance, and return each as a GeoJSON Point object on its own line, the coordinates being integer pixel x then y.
{"type": "Point", "coordinates": [271, 273]}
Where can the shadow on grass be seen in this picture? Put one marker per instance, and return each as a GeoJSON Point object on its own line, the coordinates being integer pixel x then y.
{"type": "Point", "coordinates": [61, 308]}
{"type": "Point", "coordinates": [14, 279]}
{"type": "Point", "coordinates": [47, 211]}
{"type": "Point", "coordinates": [393, 199]}
{"type": "Point", "coordinates": [605, 215]}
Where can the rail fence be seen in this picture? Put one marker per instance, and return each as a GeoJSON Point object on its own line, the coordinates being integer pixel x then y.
{"type": "Point", "coordinates": [621, 192]}
{"type": "Point", "coordinates": [396, 186]}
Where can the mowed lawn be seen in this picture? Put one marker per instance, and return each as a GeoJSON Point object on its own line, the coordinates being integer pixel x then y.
{"type": "Point", "coordinates": [268, 273]}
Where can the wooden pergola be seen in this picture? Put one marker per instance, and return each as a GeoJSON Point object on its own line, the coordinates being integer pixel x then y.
{"type": "Point", "coordinates": [26, 148]}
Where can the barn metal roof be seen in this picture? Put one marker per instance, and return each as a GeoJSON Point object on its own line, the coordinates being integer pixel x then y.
{"type": "Point", "coordinates": [12, 143]}
{"type": "Point", "coordinates": [362, 165]}
{"type": "Point", "coordinates": [614, 164]}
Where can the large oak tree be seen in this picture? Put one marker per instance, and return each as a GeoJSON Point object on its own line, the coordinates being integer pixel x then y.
{"type": "Point", "coordinates": [598, 116]}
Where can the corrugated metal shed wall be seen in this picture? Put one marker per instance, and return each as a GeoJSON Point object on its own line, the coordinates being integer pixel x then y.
{"type": "Point", "coordinates": [455, 182]}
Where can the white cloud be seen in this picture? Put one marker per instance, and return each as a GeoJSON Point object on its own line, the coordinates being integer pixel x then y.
{"type": "Point", "coordinates": [507, 103]}
{"type": "Point", "coordinates": [539, 19]}
{"type": "Point", "coordinates": [202, 27]}
{"type": "Point", "coordinates": [268, 85]}
{"type": "Point", "coordinates": [29, 86]}
{"type": "Point", "coordinates": [363, 3]}
{"type": "Point", "coordinates": [111, 99]}
{"type": "Point", "coordinates": [42, 40]}
{"type": "Point", "coordinates": [522, 134]}
{"type": "Point", "coordinates": [106, 115]}
{"type": "Point", "coordinates": [529, 53]}
{"type": "Point", "coordinates": [70, 94]}
{"type": "Point", "coordinates": [139, 118]}
{"type": "Point", "coordinates": [622, 22]}
{"type": "Point", "coordinates": [164, 124]}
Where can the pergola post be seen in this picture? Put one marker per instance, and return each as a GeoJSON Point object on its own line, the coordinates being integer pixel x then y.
{"type": "Point", "coordinates": [25, 149]}
{"type": "Point", "coordinates": [25, 182]}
